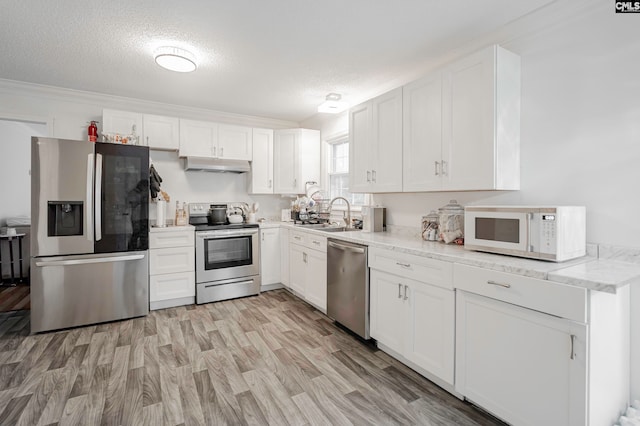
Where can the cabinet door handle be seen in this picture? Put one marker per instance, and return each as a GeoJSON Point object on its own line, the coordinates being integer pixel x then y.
{"type": "Point", "coordinates": [262, 237]}
{"type": "Point", "coordinates": [373, 176]}
{"type": "Point", "coordinates": [295, 182]}
{"type": "Point", "coordinates": [436, 170]}
{"type": "Point", "coordinates": [406, 287]}
{"type": "Point", "coordinates": [269, 183]}
{"type": "Point", "coordinates": [505, 285]}
{"type": "Point", "coordinates": [444, 170]}
{"type": "Point", "coordinates": [147, 140]}
{"type": "Point", "coordinates": [368, 176]}
{"type": "Point", "coordinates": [214, 151]}
{"type": "Point", "coordinates": [222, 152]}
{"type": "Point", "coordinates": [399, 291]}
{"type": "Point", "coordinates": [404, 265]}
{"type": "Point", "coordinates": [304, 257]}
{"type": "Point", "coordinates": [573, 346]}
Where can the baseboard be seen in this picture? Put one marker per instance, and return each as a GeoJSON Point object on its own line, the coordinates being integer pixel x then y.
{"type": "Point", "coordinates": [171, 303]}
{"type": "Point", "coordinates": [270, 287]}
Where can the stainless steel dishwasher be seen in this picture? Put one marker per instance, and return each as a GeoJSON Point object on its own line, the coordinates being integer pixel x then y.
{"type": "Point", "coordinates": [348, 286]}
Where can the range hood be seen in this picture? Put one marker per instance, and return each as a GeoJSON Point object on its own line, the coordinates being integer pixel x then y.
{"type": "Point", "coordinates": [219, 165]}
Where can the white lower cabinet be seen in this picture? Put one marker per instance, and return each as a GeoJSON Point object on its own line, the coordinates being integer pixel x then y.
{"type": "Point", "coordinates": [316, 285]}
{"type": "Point", "coordinates": [308, 267]}
{"type": "Point", "coordinates": [171, 267]}
{"type": "Point", "coordinates": [414, 318]}
{"type": "Point", "coordinates": [534, 352]}
{"type": "Point", "coordinates": [297, 269]}
{"type": "Point", "coordinates": [388, 311]}
{"type": "Point", "coordinates": [284, 257]}
{"type": "Point", "coordinates": [270, 256]}
{"type": "Point", "coordinates": [526, 367]}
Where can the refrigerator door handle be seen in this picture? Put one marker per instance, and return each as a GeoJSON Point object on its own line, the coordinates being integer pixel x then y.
{"type": "Point", "coordinates": [89, 261]}
{"type": "Point", "coordinates": [98, 195]}
{"type": "Point", "coordinates": [88, 217]}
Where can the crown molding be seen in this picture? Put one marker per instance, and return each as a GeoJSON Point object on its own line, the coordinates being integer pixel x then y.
{"type": "Point", "coordinates": [20, 88]}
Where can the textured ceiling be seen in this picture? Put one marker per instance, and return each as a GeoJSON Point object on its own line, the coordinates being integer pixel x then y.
{"type": "Point", "coordinates": [268, 58]}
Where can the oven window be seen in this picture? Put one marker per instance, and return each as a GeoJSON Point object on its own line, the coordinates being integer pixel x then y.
{"type": "Point", "coordinates": [495, 229]}
{"type": "Point", "coordinates": [227, 252]}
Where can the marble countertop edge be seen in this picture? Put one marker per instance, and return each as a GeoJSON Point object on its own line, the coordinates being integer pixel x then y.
{"type": "Point", "coordinates": [587, 272]}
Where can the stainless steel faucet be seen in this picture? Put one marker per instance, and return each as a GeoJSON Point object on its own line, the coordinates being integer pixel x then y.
{"type": "Point", "coordinates": [348, 209]}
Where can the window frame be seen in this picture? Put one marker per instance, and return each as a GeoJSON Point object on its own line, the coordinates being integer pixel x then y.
{"type": "Point", "coordinates": [328, 157]}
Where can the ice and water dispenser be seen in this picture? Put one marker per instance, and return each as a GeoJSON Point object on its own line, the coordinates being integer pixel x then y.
{"type": "Point", "coordinates": [65, 218]}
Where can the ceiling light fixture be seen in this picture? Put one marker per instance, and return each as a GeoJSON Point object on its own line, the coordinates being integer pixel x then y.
{"type": "Point", "coordinates": [175, 59]}
{"type": "Point", "coordinates": [333, 104]}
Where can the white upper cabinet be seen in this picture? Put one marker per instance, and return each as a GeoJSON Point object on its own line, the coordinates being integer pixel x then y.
{"type": "Point", "coordinates": [422, 134]}
{"type": "Point", "coordinates": [359, 150]}
{"type": "Point", "coordinates": [198, 138]}
{"type": "Point", "coordinates": [213, 140]}
{"type": "Point", "coordinates": [375, 157]}
{"type": "Point", "coordinates": [161, 132]}
{"type": "Point", "coordinates": [296, 160]}
{"type": "Point", "coordinates": [462, 125]}
{"type": "Point", "coordinates": [235, 142]}
{"type": "Point", "coordinates": [122, 123]}
{"type": "Point", "coordinates": [154, 131]}
{"type": "Point", "coordinates": [262, 163]}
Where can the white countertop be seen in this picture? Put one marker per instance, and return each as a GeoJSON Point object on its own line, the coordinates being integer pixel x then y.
{"type": "Point", "coordinates": [587, 272]}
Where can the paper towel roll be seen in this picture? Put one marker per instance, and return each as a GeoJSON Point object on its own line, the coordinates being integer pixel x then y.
{"type": "Point", "coordinates": [161, 213]}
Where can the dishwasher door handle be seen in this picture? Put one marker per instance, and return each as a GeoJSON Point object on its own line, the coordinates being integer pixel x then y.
{"type": "Point", "coordinates": [346, 248]}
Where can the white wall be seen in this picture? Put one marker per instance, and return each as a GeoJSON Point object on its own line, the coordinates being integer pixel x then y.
{"type": "Point", "coordinates": [580, 133]}
{"type": "Point", "coordinates": [15, 152]}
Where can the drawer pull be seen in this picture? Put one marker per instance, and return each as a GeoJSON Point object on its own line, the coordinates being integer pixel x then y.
{"type": "Point", "coordinates": [499, 284]}
{"type": "Point", "coordinates": [404, 265]}
{"type": "Point", "coordinates": [399, 291]}
{"type": "Point", "coordinates": [316, 242]}
{"type": "Point", "coordinates": [297, 237]}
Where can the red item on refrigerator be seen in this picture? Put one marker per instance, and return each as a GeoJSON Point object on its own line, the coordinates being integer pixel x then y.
{"type": "Point", "coordinates": [92, 132]}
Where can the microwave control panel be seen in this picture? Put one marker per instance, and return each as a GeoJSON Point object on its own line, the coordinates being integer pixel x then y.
{"type": "Point", "coordinates": [548, 233]}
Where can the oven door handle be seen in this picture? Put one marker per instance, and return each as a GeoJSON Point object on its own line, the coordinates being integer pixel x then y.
{"type": "Point", "coordinates": [225, 233]}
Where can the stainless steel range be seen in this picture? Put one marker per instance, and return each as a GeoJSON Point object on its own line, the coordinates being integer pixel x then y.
{"type": "Point", "coordinates": [227, 255]}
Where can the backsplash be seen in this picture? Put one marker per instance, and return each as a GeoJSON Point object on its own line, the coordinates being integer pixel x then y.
{"type": "Point", "coordinates": [622, 254]}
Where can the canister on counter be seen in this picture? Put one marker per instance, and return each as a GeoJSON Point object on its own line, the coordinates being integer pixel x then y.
{"type": "Point", "coordinates": [430, 226]}
{"type": "Point", "coordinates": [451, 222]}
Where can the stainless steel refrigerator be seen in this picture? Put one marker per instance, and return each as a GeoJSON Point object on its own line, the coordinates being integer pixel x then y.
{"type": "Point", "coordinates": [90, 232]}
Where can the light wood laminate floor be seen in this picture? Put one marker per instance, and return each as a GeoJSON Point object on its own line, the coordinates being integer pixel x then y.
{"type": "Point", "coordinates": [269, 359]}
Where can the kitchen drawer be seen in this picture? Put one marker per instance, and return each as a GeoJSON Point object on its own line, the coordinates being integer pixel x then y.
{"type": "Point", "coordinates": [165, 239]}
{"type": "Point", "coordinates": [309, 240]}
{"type": "Point", "coordinates": [296, 237]}
{"type": "Point", "coordinates": [561, 300]}
{"type": "Point", "coordinates": [170, 260]}
{"type": "Point", "coordinates": [172, 286]}
{"type": "Point", "coordinates": [423, 269]}
{"type": "Point", "coordinates": [316, 242]}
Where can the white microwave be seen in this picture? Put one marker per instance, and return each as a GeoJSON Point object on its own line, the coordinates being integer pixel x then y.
{"type": "Point", "coordinates": [546, 233]}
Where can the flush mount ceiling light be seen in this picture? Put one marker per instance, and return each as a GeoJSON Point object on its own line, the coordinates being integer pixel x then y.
{"type": "Point", "coordinates": [333, 104]}
{"type": "Point", "coordinates": [175, 59]}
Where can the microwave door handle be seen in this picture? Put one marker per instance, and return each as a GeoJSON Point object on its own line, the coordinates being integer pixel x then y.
{"type": "Point", "coordinates": [88, 216]}
{"type": "Point", "coordinates": [98, 195]}
{"type": "Point", "coordinates": [529, 245]}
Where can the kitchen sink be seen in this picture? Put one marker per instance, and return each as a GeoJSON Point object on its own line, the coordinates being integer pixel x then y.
{"type": "Point", "coordinates": [327, 228]}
